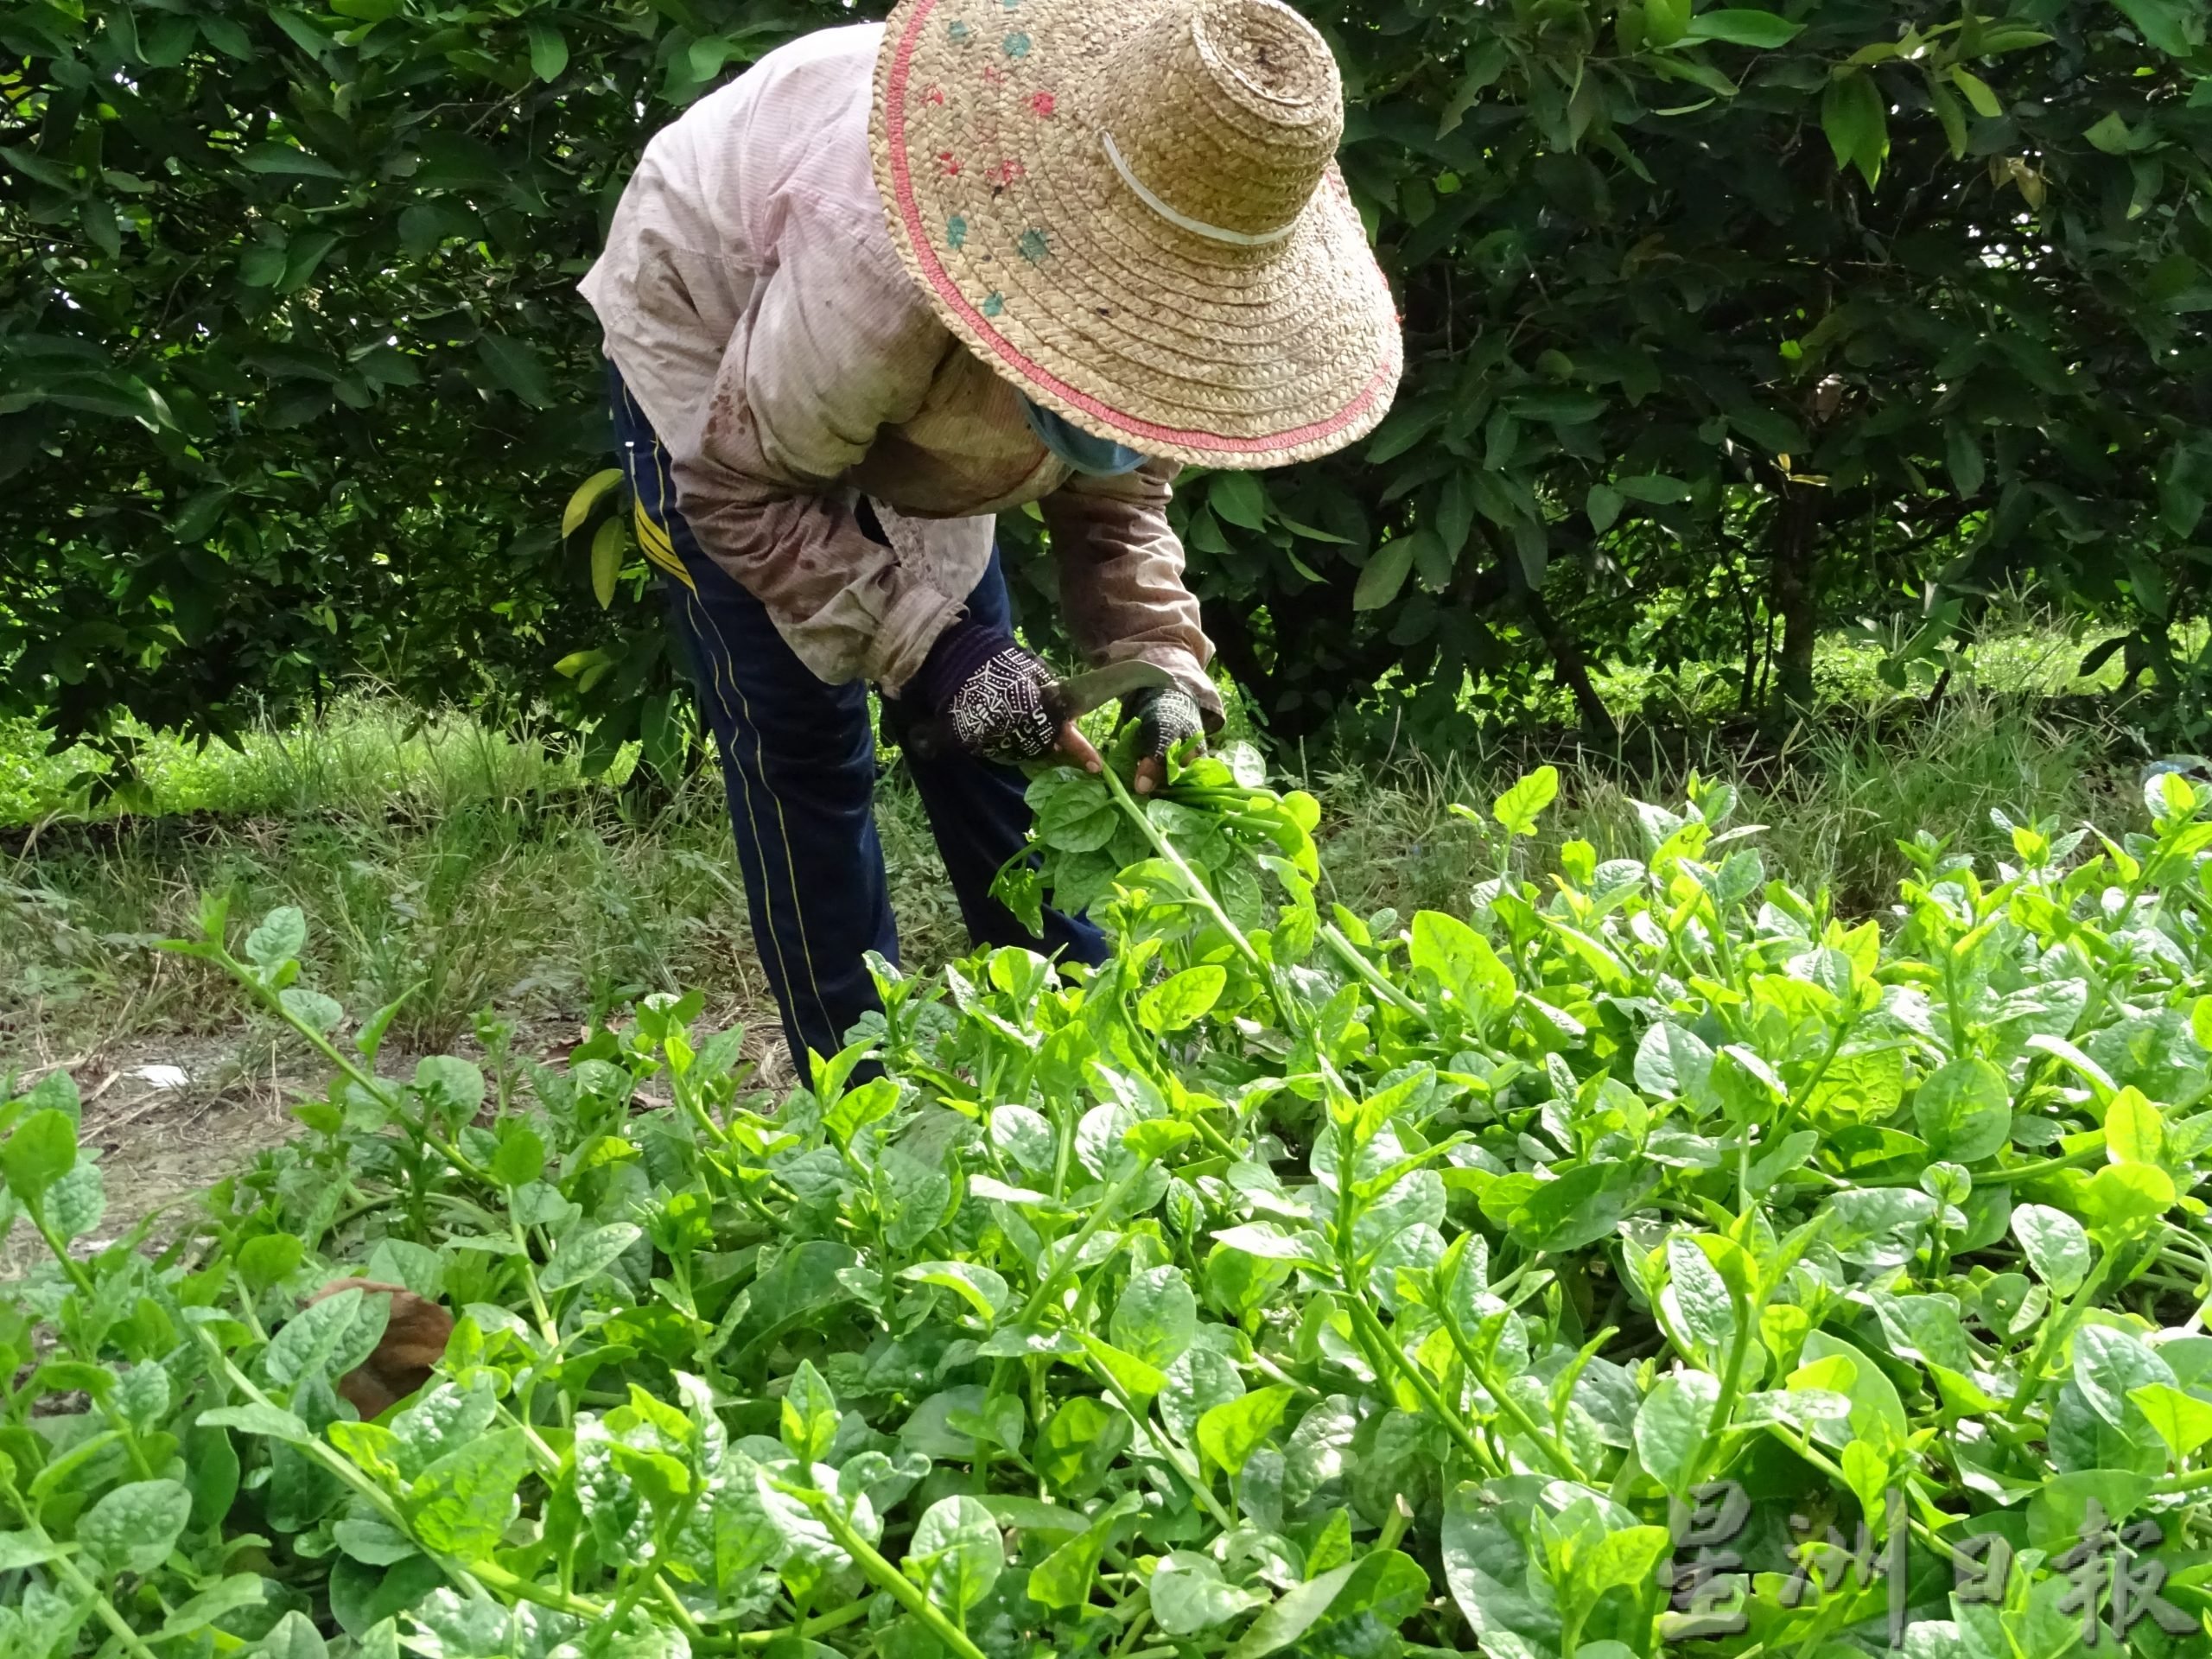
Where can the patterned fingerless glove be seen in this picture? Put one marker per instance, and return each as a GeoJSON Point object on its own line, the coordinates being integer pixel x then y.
{"type": "Point", "coordinates": [991, 690]}
{"type": "Point", "coordinates": [1164, 717]}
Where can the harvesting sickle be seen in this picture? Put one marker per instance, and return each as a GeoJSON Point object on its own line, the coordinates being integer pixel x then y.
{"type": "Point", "coordinates": [1062, 701]}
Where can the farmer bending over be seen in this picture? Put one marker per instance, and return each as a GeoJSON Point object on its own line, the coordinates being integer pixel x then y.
{"type": "Point", "coordinates": [898, 278]}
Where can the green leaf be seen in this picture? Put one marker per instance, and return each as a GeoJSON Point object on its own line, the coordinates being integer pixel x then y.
{"type": "Point", "coordinates": [1700, 1296]}
{"type": "Point", "coordinates": [1654, 488]}
{"type": "Point", "coordinates": [585, 502]}
{"type": "Point", "coordinates": [1520, 807]}
{"type": "Point", "coordinates": [1627, 1557]}
{"type": "Point", "coordinates": [1977, 92]}
{"type": "Point", "coordinates": [281, 937]}
{"type": "Point", "coordinates": [1134, 1376]}
{"type": "Point", "coordinates": [1157, 1138]}
{"type": "Point", "coordinates": [262, 1261]}
{"type": "Point", "coordinates": [548, 51]}
{"type": "Point", "coordinates": [1182, 1000]}
{"type": "Point", "coordinates": [2111, 135]}
{"type": "Point", "coordinates": [20, 1551]}
{"type": "Point", "coordinates": [1078, 1445]}
{"type": "Point", "coordinates": [1963, 455]}
{"type": "Point", "coordinates": [1762, 30]}
{"type": "Point", "coordinates": [1603, 504]}
{"type": "Point", "coordinates": [133, 1528]}
{"type": "Point", "coordinates": [809, 1416]}
{"type": "Point", "coordinates": [1228, 1434]}
{"type": "Point", "coordinates": [2135, 1132]}
{"type": "Point", "coordinates": [1964, 1111]}
{"type": "Point", "coordinates": [876, 1098]}
{"type": "Point", "coordinates": [318, 1013]}
{"type": "Point", "coordinates": [1582, 1206]}
{"type": "Point", "coordinates": [270, 1421]}
{"type": "Point", "coordinates": [520, 1159]}
{"type": "Point", "coordinates": [515, 364]}
{"type": "Point", "coordinates": [294, 1637]}
{"type": "Point", "coordinates": [588, 1255]}
{"type": "Point", "coordinates": [1239, 499]}
{"type": "Point", "coordinates": [2182, 1421]}
{"type": "Point", "coordinates": [1857, 122]}
{"type": "Point", "coordinates": [1672, 1061]}
{"type": "Point", "coordinates": [372, 1540]}
{"type": "Point", "coordinates": [2173, 27]}
{"type": "Point", "coordinates": [462, 1504]}
{"type": "Point", "coordinates": [1190, 1595]}
{"type": "Point", "coordinates": [2122, 1200]}
{"type": "Point", "coordinates": [1876, 1414]}
{"type": "Point", "coordinates": [42, 1149]}
{"type": "Point", "coordinates": [1063, 1580]}
{"type": "Point", "coordinates": [286, 160]}
{"type": "Point", "coordinates": [328, 1337]}
{"type": "Point", "coordinates": [1671, 1424]}
{"type": "Point", "coordinates": [1301, 1608]}
{"type": "Point", "coordinates": [2056, 1247]}
{"type": "Point", "coordinates": [1156, 1317]}
{"type": "Point", "coordinates": [1665, 21]}
{"type": "Point", "coordinates": [608, 546]}
{"type": "Point", "coordinates": [956, 1554]}
{"type": "Point", "coordinates": [142, 1394]}
{"type": "Point", "coordinates": [1455, 515]}
{"type": "Point", "coordinates": [2109, 1365]}
{"type": "Point", "coordinates": [1384, 575]}
{"type": "Point", "coordinates": [982, 1288]}
{"type": "Point", "coordinates": [446, 1417]}
{"type": "Point", "coordinates": [75, 1203]}
{"type": "Point", "coordinates": [1466, 967]}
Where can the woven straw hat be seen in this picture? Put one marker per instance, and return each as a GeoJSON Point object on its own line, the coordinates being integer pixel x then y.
{"type": "Point", "coordinates": [1132, 212]}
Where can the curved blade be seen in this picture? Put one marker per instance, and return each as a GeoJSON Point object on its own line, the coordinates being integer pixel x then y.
{"type": "Point", "coordinates": [1077, 695]}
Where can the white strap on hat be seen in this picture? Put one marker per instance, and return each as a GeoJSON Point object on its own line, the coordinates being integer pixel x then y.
{"type": "Point", "coordinates": [1184, 221]}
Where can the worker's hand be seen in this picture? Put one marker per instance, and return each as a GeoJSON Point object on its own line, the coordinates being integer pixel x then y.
{"type": "Point", "coordinates": [992, 691]}
{"type": "Point", "coordinates": [1164, 716]}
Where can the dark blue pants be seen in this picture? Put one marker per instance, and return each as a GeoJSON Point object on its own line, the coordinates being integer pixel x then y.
{"type": "Point", "coordinates": [798, 758]}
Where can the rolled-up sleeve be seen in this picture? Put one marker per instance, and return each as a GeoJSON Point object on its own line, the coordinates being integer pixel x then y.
{"type": "Point", "coordinates": [1121, 568]}
{"type": "Point", "coordinates": [834, 347]}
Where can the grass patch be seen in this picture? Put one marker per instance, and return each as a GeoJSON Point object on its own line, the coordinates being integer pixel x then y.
{"type": "Point", "coordinates": [482, 870]}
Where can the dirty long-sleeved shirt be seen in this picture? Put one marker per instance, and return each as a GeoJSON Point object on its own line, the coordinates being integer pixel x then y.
{"type": "Point", "coordinates": [752, 298]}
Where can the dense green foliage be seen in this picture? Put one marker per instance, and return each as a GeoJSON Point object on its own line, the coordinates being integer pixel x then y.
{"type": "Point", "coordinates": [1296, 1283]}
{"type": "Point", "coordinates": [1722, 327]}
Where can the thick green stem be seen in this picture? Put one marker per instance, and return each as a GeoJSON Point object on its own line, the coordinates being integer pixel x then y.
{"type": "Point", "coordinates": [1201, 895]}
{"type": "Point", "coordinates": [1454, 1423]}
{"type": "Point", "coordinates": [1091, 1223]}
{"type": "Point", "coordinates": [546, 1327]}
{"type": "Point", "coordinates": [342, 1467]}
{"type": "Point", "coordinates": [1480, 1369]}
{"type": "Point", "coordinates": [2054, 1334]}
{"type": "Point", "coordinates": [366, 1081]}
{"type": "Point", "coordinates": [885, 1576]}
{"type": "Point", "coordinates": [1349, 954]}
{"type": "Point", "coordinates": [805, 1628]}
{"type": "Point", "coordinates": [69, 1572]}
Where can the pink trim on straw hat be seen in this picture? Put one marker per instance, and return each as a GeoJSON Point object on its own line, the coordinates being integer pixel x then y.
{"type": "Point", "coordinates": [940, 283]}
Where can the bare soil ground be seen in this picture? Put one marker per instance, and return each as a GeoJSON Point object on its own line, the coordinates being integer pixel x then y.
{"type": "Point", "coordinates": [168, 1116]}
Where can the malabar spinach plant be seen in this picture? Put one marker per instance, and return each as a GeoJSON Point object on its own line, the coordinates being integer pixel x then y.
{"type": "Point", "coordinates": [1645, 1256]}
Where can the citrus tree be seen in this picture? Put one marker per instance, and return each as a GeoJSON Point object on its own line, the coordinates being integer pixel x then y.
{"type": "Point", "coordinates": [1724, 325]}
